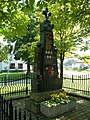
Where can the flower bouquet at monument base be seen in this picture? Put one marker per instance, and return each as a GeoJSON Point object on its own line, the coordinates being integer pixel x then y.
{"type": "Point", "coordinates": [57, 104]}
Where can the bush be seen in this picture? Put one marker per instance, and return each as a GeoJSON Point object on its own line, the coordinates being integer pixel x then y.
{"type": "Point", "coordinates": [75, 68]}
{"type": "Point", "coordinates": [84, 68]}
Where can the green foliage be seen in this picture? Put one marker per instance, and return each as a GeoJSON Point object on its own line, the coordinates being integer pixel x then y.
{"type": "Point", "coordinates": [12, 19]}
{"type": "Point", "coordinates": [3, 52]}
{"type": "Point", "coordinates": [69, 27]}
{"type": "Point", "coordinates": [11, 75]}
{"type": "Point", "coordinates": [70, 18]}
{"type": "Point", "coordinates": [85, 58]}
{"type": "Point", "coordinates": [75, 68]}
{"type": "Point", "coordinates": [24, 47]}
{"type": "Point", "coordinates": [14, 76]}
{"type": "Point", "coordinates": [84, 68]}
{"type": "Point", "coordinates": [71, 21]}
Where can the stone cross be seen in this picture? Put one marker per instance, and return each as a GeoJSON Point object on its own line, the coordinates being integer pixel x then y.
{"type": "Point", "coordinates": [46, 13]}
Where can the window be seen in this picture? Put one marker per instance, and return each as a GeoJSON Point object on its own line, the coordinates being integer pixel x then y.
{"type": "Point", "coordinates": [12, 66]}
{"type": "Point", "coordinates": [20, 66]}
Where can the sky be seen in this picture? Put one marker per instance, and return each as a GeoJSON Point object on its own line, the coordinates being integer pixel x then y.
{"type": "Point", "coordinates": [1, 40]}
{"type": "Point", "coordinates": [36, 0]}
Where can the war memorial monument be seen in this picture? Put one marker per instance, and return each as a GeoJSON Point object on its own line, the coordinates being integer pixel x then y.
{"type": "Point", "coordinates": [45, 80]}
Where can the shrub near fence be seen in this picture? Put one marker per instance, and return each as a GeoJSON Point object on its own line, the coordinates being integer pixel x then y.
{"type": "Point", "coordinates": [15, 85]}
{"type": "Point", "coordinates": [77, 83]}
{"type": "Point", "coordinates": [9, 112]}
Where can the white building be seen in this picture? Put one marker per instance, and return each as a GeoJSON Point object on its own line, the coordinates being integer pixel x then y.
{"type": "Point", "coordinates": [13, 65]}
{"type": "Point", "coordinates": [79, 64]}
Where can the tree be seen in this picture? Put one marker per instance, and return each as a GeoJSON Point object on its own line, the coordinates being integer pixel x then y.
{"type": "Point", "coordinates": [70, 18]}
{"type": "Point", "coordinates": [13, 16]}
{"type": "Point", "coordinates": [3, 52]}
{"type": "Point", "coordinates": [71, 21]}
{"type": "Point", "coordinates": [24, 47]}
{"type": "Point", "coordinates": [13, 21]}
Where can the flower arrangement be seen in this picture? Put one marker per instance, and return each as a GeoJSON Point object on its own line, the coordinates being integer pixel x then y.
{"type": "Point", "coordinates": [57, 99]}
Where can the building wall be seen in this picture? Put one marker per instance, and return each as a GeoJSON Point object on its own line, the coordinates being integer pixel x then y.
{"type": "Point", "coordinates": [77, 64]}
{"type": "Point", "coordinates": [5, 66]}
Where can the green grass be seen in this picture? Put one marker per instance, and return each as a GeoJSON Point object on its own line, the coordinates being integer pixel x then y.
{"type": "Point", "coordinates": [77, 86]}
{"type": "Point", "coordinates": [11, 74]}
{"type": "Point", "coordinates": [14, 90]}
{"type": "Point", "coordinates": [14, 76]}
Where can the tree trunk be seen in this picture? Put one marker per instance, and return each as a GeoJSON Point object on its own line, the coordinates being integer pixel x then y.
{"type": "Point", "coordinates": [61, 66]}
{"type": "Point", "coordinates": [28, 66]}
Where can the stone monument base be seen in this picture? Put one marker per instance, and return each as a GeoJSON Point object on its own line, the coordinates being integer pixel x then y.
{"type": "Point", "coordinates": [32, 105]}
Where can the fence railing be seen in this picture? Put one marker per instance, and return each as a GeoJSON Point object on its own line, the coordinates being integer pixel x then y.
{"type": "Point", "coordinates": [77, 83]}
{"type": "Point", "coordinates": [21, 84]}
{"type": "Point", "coordinates": [9, 112]}
{"type": "Point", "coordinates": [15, 85]}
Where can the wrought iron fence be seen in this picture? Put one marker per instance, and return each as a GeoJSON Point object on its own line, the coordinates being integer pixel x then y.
{"type": "Point", "coordinates": [9, 112]}
{"type": "Point", "coordinates": [21, 84]}
{"type": "Point", "coordinates": [77, 83]}
{"type": "Point", "coordinates": [15, 85]}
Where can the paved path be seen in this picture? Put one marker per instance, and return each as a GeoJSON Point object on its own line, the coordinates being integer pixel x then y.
{"type": "Point", "coordinates": [81, 112]}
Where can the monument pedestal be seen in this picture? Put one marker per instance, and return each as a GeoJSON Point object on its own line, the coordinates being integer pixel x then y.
{"type": "Point", "coordinates": [33, 103]}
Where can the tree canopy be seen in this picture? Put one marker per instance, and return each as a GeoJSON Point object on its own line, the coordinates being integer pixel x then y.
{"type": "Point", "coordinates": [71, 21]}
{"type": "Point", "coordinates": [70, 18]}
{"type": "Point", "coordinates": [13, 21]}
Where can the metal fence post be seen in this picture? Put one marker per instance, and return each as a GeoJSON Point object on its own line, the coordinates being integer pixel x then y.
{"type": "Point", "coordinates": [26, 84]}
{"type": "Point", "coordinates": [19, 114]}
{"type": "Point", "coordinates": [24, 117]}
{"type": "Point", "coordinates": [72, 79]}
{"type": "Point", "coordinates": [0, 108]}
{"type": "Point", "coordinates": [11, 110]}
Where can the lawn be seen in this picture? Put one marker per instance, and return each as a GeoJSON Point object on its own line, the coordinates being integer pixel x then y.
{"type": "Point", "coordinates": [77, 86]}
{"type": "Point", "coordinates": [12, 76]}
{"type": "Point", "coordinates": [14, 90]}
{"type": "Point", "coordinates": [15, 83]}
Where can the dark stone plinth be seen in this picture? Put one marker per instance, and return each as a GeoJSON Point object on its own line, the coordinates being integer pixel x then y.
{"type": "Point", "coordinates": [39, 97]}
{"type": "Point", "coordinates": [33, 103]}
{"type": "Point", "coordinates": [42, 86]}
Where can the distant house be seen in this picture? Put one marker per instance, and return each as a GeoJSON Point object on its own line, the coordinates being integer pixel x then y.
{"type": "Point", "coordinates": [79, 64]}
{"type": "Point", "coordinates": [13, 65]}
